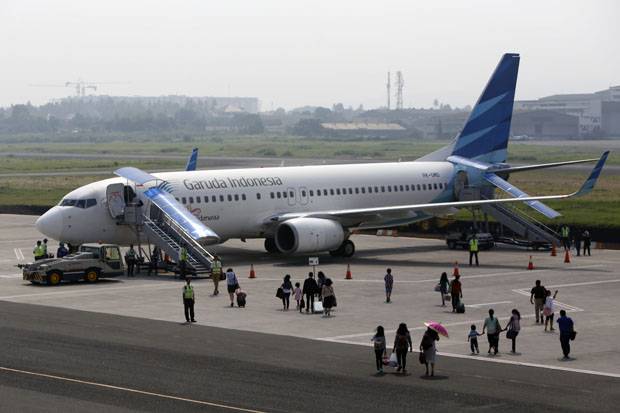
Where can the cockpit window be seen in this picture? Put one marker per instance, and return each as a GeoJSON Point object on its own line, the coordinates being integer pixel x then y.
{"type": "Point", "coordinates": [79, 203]}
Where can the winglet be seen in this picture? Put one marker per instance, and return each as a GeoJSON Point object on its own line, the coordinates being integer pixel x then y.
{"type": "Point", "coordinates": [588, 185]}
{"type": "Point", "coordinates": [192, 161]}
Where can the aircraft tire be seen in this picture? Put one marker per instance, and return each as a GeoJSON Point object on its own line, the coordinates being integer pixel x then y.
{"type": "Point", "coordinates": [270, 246]}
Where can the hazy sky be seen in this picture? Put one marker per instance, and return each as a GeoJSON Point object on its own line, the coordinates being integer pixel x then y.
{"type": "Point", "coordinates": [290, 53]}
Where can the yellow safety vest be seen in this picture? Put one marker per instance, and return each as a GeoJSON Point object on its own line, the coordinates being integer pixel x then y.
{"type": "Point", "coordinates": [38, 251]}
{"type": "Point", "coordinates": [188, 292]}
{"type": "Point", "coordinates": [216, 267]}
{"type": "Point", "coordinates": [565, 232]}
{"type": "Point", "coordinates": [183, 255]}
{"type": "Point", "coordinates": [473, 245]}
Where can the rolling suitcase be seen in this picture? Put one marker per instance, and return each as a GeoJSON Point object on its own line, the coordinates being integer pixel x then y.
{"type": "Point", "coordinates": [460, 307]}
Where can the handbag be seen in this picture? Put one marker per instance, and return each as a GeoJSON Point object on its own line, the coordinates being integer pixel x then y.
{"type": "Point", "coordinates": [280, 292]}
{"type": "Point", "coordinates": [392, 361]}
{"type": "Point", "coordinates": [438, 288]}
{"type": "Point", "coordinates": [302, 303]}
{"type": "Point", "coordinates": [422, 358]}
{"type": "Point", "coordinates": [573, 335]}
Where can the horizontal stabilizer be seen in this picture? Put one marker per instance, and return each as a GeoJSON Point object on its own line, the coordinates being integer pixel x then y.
{"type": "Point", "coordinates": [539, 166]}
{"type": "Point", "coordinates": [181, 216]}
{"type": "Point", "coordinates": [517, 193]}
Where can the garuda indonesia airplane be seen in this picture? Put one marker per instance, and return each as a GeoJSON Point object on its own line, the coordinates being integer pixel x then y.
{"type": "Point", "coordinates": [306, 209]}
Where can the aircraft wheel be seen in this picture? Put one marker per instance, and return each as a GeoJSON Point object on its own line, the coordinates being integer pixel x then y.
{"type": "Point", "coordinates": [347, 248]}
{"type": "Point", "coordinates": [270, 245]}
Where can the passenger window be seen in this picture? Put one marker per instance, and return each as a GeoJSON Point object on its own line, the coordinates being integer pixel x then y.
{"type": "Point", "coordinates": [178, 200]}
{"type": "Point", "coordinates": [402, 188]}
{"type": "Point", "coordinates": [197, 199]}
{"type": "Point", "coordinates": [184, 200]}
{"type": "Point", "coordinates": [435, 186]}
{"type": "Point", "coordinates": [331, 192]}
{"type": "Point", "coordinates": [337, 191]}
{"type": "Point", "coordinates": [278, 194]}
{"type": "Point", "coordinates": [418, 187]}
{"type": "Point", "coordinates": [243, 197]}
{"type": "Point", "coordinates": [229, 198]}
{"type": "Point", "coordinates": [292, 194]}
{"type": "Point", "coordinates": [370, 189]}
{"type": "Point", "coordinates": [284, 194]}
{"type": "Point", "coordinates": [382, 189]}
{"type": "Point", "coordinates": [311, 192]}
{"type": "Point", "coordinates": [236, 197]}
{"type": "Point", "coordinates": [395, 188]}
{"type": "Point", "coordinates": [389, 188]}
{"type": "Point", "coordinates": [376, 189]}
{"type": "Point", "coordinates": [257, 195]}
{"type": "Point", "coordinates": [357, 190]}
{"type": "Point", "coordinates": [303, 193]}
{"type": "Point", "coordinates": [318, 192]}
{"type": "Point", "coordinates": [214, 198]}
{"type": "Point", "coordinates": [191, 199]}
{"type": "Point", "coordinates": [406, 187]}
{"type": "Point", "coordinates": [272, 195]}
{"type": "Point", "coordinates": [344, 191]}
{"type": "Point", "coordinates": [350, 191]}
{"type": "Point", "coordinates": [325, 192]}
{"type": "Point", "coordinates": [222, 198]}
{"type": "Point", "coordinates": [91, 202]}
{"type": "Point", "coordinates": [206, 199]}
{"type": "Point", "coordinates": [424, 187]}
{"type": "Point", "coordinates": [363, 190]}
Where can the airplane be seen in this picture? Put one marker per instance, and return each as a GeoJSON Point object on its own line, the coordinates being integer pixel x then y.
{"type": "Point", "coordinates": [308, 209]}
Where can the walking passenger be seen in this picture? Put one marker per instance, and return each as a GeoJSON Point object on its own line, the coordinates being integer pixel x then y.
{"type": "Point", "coordinates": [329, 297]}
{"type": "Point", "coordinates": [537, 299]}
{"type": "Point", "coordinates": [444, 285]}
{"type": "Point", "coordinates": [216, 273]}
{"type": "Point", "coordinates": [287, 289]}
{"type": "Point", "coordinates": [378, 341]}
{"type": "Point", "coordinates": [456, 292]}
{"type": "Point", "coordinates": [389, 283]}
{"type": "Point", "coordinates": [427, 346]}
{"type": "Point", "coordinates": [577, 241]}
{"type": "Point", "coordinates": [472, 337]}
{"type": "Point", "coordinates": [567, 333]}
{"type": "Point", "coordinates": [402, 343]}
{"type": "Point", "coordinates": [310, 288]}
{"type": "Point", "coordinates": [473, 249]}
{"type": "Point", "coordinates": [320, 283]}
{"type": "Point", "coordinates": [549, 309]}
{"type": "Point", "coordinates": [155, 257]}
{"type": "Point", "coordinates": [188, 302]}
{"type": "Point", "coordinates": [298, 297]}
{"type": "Point", "coordinates": [232, 284]}
{"type": "Point", "coordinates": [493, 328]}
{"type": "Point", "coordinates": [513, 327]}
{"type": "Point", "coordinates": [587, 240]}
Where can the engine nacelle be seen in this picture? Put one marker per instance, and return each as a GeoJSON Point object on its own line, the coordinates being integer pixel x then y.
{"type": "Point", "coordinates": [308, 235]}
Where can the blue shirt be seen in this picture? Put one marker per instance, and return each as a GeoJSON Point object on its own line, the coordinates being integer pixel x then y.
{"type": "Point", "coordinates": [565, 324]}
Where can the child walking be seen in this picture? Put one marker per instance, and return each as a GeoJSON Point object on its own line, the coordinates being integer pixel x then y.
{"type": "Point", "coordinates": [380, 349]}
{"type": "Point", "coordinates": [298, 294]}
{"type": "Point", "coordinates": [472, 337]}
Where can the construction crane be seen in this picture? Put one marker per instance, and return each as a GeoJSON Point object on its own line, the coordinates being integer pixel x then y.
{"type": "Point", "coordinates": [80, 86]}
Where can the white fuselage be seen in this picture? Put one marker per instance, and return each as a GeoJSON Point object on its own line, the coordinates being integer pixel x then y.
{"type": "Point", "coordinates": [238, 203]}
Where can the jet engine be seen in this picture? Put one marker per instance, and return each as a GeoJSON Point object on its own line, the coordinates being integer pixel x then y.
{"type": "Point", "coordinates": [308, 235]}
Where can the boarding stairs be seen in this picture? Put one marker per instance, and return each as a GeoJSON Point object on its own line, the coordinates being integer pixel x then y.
{"type": "Point", "coordinates": [518, 221]}
{"type": "Point", "coordinates": [170, 236]}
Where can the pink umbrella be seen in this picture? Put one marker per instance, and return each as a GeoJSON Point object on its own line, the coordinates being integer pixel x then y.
{"type": "Point", "coordinates": [437, 327]}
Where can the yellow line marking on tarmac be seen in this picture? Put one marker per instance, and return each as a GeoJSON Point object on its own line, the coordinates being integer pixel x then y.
{"type": "Point", "coordinates": [130, 390]}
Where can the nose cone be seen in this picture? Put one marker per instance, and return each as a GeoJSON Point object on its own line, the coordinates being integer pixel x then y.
{"type": "Point", "coordinates": [51, 223]}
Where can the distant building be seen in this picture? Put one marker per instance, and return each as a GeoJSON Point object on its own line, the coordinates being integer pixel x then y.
{"type": "Point", "coordinates": [597, 113]}
{"type": "Point", "coordinates": [544, 124]}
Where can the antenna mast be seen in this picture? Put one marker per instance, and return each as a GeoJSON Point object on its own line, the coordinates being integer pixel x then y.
{"type": "Point", "coordinates": [389, 90]}
{"type": "Point", "coordinates": [400, 83]}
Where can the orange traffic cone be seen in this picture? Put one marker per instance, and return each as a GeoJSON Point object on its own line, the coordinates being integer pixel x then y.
{"type": "Point", "coordinates": [530, 266]}
{"type": "Point", "coordinates": [553, 250]}
{"type": "Point", "coordinates": [456, 269]}
{"type": "Point", "coordinates": [348, 276]}
{"type": "Point", "coordinates": [567, 257]}
{"type": "Point", "coordinates": [252, 273]}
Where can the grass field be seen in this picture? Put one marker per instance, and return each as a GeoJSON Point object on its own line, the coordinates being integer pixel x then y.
{"type": "Point", "coordinates": [601, 208]}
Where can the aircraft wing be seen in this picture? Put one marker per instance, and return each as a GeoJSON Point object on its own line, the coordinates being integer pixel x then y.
{"type": "Point", "coordinates": [359, 215]}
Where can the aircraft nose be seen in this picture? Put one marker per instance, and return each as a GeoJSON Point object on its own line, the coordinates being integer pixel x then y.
{"type": "Point", "coordinates": [51, 224]}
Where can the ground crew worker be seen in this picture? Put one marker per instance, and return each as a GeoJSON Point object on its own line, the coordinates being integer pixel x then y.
{"type": "Point", "coordinates": [182, 261]}
{"type": "Point", "coordinates": [216, 273]}
{"type": "Point", "coordinates": [473, 249]}
{"type": "Point", "coordinates": [130, 260]}
{"type": "Point", "coordinates": [44, 245]}
{"type": "Point", "coordinates": [565, 233]}
{"type": "Point", "coordinates": [188, 302]}
{"type": "Point", "coordinates": [38, 251]}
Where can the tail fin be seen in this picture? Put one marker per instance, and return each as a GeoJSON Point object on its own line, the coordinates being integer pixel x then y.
{"type": "Point", "coordinates": [485, 135]}
{"type": "Point", "coordinates": [192, 160]}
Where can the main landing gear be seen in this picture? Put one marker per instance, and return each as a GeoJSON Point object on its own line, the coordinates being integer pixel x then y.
{"type": "Point", "coordinates": [346, 249]}
{"type": "Point", "coordinates": [270, 246]}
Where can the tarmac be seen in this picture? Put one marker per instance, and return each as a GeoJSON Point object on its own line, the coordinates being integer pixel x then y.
{"type": "Point", "coordinates": [277, 347]}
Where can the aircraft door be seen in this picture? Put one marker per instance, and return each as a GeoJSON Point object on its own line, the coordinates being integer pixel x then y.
{"type": "Point", "coordinates": [303, 195]}
{"type": "Point", "coordinates": [460, 183]}
{"type": "Point", "coordinates": [291, 196]}
{"type": "Point", "coordinates": [115, 199]}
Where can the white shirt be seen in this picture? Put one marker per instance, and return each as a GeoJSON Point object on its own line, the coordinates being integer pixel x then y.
{"type": "Point", "coordinates": [549, 303]}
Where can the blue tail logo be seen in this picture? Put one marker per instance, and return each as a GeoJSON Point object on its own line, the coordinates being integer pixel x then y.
{"type": "Point", "coordinates": [485, 135]}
